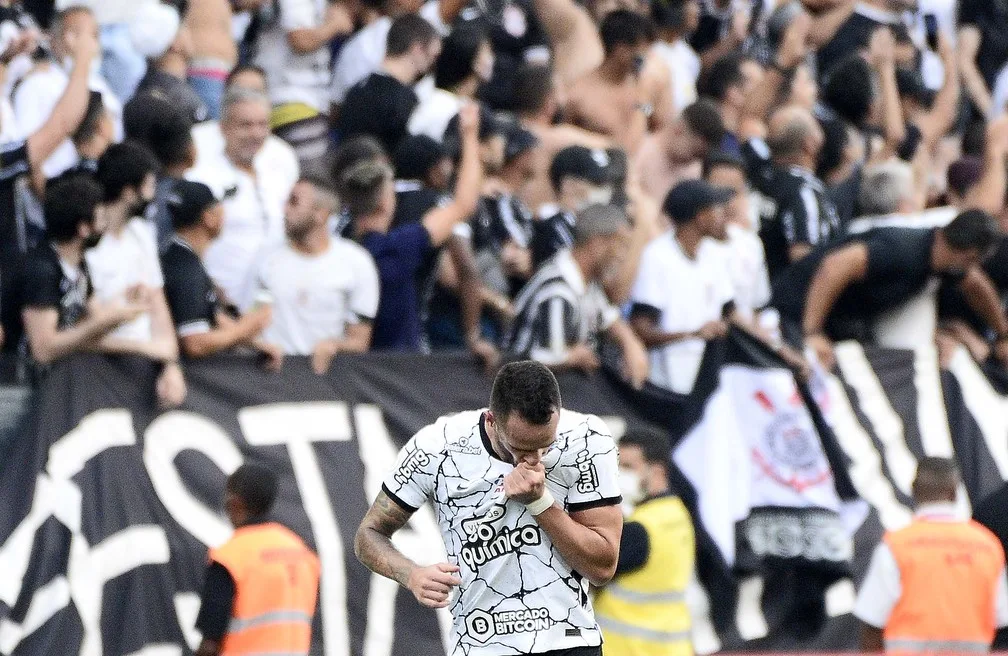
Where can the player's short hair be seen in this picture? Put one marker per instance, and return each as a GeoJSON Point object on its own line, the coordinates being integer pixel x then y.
{"type": "Point", "coordinates": [528, 388]}
{"type": "Point", "coordinates": [256, 486]}
{"type": "Point", "coordinates": [653, 442]}
{"type": "Point", "coordinates": [241, 69]}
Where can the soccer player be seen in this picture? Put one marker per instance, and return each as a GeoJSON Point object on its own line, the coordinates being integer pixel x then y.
{"type": "Point", "coordinates": [527, 499]}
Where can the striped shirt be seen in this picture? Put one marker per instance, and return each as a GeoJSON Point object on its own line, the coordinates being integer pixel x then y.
{"type": "Point", "coordinates": [556, 310]}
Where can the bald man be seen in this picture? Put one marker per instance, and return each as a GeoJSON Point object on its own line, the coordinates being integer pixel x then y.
{"type": "Point", "coordinates": [938, 585]}
{"type": "Point", "coordinates": [782, 168]}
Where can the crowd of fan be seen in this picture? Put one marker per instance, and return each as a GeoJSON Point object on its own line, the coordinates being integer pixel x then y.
{"type": "Point", "coordinates": [313, 177]}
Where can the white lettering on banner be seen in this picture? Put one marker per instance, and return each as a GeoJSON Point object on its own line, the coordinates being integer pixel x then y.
{"type": "Point", "coordinates": [167, 437]}
{"type": "Point", "coordinates": [423, 544]}
{"type": "Point", "coordinates": [46, 602]}
{"type": "Point", "coordinates": [749, 618]}
{"type": "Point", "coordinates": [98, 431]}
{"type": "Point", "coordinates": [187, 605]}
{"type": "Point", "coordinates": [298, 425]}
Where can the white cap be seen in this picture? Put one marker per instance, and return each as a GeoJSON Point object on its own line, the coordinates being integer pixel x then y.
{"type": "Point", "coordinates": [153, 29]}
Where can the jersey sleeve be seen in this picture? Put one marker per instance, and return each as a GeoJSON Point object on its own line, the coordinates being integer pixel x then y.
{"type": "Point", "coordinates": [413, 479]}
{"type": "Point", "coordinates": [364, 296]}
{"type": "Point", "coordinates": [593, 472]}
{"type": "Point", "coordinates": [187, 300]}
{"type": "Point", "coordinates": [799, 213]}
{"type": "Point", "coordinates": [40, 285]}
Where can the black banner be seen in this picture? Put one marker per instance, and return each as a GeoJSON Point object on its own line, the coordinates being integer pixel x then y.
{"type": "Point", "coordinates": [107, 506]}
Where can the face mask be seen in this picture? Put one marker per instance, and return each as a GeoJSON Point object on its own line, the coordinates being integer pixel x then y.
{"type": "Point", "coordinates": [630, 486]}
{"type": "Point", "coordinates": [597, 196]}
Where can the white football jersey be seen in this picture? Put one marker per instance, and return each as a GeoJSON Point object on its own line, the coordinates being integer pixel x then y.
{"type": "Point", "coordinates": [518, 595]}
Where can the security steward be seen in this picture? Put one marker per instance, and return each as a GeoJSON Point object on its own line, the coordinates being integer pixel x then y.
{"type": "Point", "coordinates": [643, 611]}
{"type": "Point", "coordinates": [937, 586]}
{"type": "Point", "coordinates": [262, 584]}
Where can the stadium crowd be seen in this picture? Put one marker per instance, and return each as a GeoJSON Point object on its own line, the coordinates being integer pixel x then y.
{"type": "Point", "coordinates": [311, 177]}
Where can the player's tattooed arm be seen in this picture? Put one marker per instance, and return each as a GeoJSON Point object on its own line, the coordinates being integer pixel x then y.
{"type": "Point", "coordinates": [373, 543]}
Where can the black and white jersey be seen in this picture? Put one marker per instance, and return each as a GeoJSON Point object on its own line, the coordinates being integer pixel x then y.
{"type": "Point", "coordinates": [518, 595]}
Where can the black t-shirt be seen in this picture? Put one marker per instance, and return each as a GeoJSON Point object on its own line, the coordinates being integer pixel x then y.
{"type": "Point", "coordinates": [13, 164]}
{"type": "Point", "coordinates": [216, 603]}
{"type": "Point", "coordinates": [990, 17]}
{"type": "Point", "coordinates": [192, 296]}
{"type": "Point", "coordinates": [804, 211]}
{"type": "Point", "coordinates": [952, 302]}
{"type": "Point", "coordinates": [550, 235]}
{"type": "Point", "coordinates": [899, 268]}
{"type": "Point", "coordinates": [39, 280]}
{"type": "Point", "coordinates": [413, 201]}
{"type": "Point", "coordinates": [379, 105]}
{"type": "Point", "coordinates": [854, 35]}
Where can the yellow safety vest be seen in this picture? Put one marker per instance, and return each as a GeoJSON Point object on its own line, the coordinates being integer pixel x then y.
{"type": "Point", "coordinates": [643, 612]}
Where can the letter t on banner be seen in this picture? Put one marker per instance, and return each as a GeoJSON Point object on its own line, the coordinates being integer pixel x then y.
{"type": "Point", "coordinates": [297, 425]}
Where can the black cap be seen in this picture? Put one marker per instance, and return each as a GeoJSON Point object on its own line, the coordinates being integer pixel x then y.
{"type": "Point", "coordinates": [689, 198]}
{"type": "Point", "coordinates": [591, 164]}
{"type": "Point", "coordinates": [187, 202]}
{"type": "Point", "coordinates": [519, 140]}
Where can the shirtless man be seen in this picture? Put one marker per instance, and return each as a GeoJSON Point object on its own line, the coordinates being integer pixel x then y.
{"type": "Point", "coordinates": [214, 50]}
{"type": "Point", "coordinates": [540, 102]}
{"type": "Point", "coordinates": [675, 153]}
{"type": "Point", "coordinates": [611, 100]}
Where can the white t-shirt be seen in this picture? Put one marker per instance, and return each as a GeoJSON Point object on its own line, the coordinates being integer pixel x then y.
{"type": "Point", "coordinates": [293, 77]}
{"type": "Point", "coordinates": [122, 261]}
{"type": "Point", "coordinates": [253, 216]}
{"type": "Point", "coordinates": [362, 55]}
{"type": "Point", "coordinates": [314, 298]}
{"type": "Point", "coordinates": [882, 588]}
{"type": "Point", "coordinates": [746, 261]}
{"type": "Point", "coordinates": [36, 98]}
{"type": "Point", "coordinates": [276, 153]}
{"type": "Point", "coordinates": [431, 117]}
{"type": "Point", "coordinates": [518, 594]}
{"type": "Point", "coordinates": [687, 293]}
{"type": "Point", "coordinates": [684, 65]}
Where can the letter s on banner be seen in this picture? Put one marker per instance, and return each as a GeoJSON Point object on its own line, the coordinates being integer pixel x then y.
{"type": "Point", "coordinates": [168, 436]}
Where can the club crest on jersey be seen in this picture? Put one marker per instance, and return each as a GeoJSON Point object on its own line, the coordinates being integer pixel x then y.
{"type": "Point", "coordinates": [485, 542]}
{"type": "Point", "coordinates": [481, 625]}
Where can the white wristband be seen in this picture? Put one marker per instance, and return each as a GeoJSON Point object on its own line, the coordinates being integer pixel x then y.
{"type": "Point", "coordinates": [542, 504]}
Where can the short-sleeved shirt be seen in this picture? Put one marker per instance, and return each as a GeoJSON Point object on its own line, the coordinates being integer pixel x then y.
{"type": "Point", "coordinates": [294, 77]}
{"type": "Point", "coordinates": [192, 297]}
{"type": "Point", "coordinates": [804, 211]}
{"type": "Point", "coordinates": [518, 594]}
{"type": "Point", "coordinates": [557, 310]}
{"type": "Point", "coordinates": [380, 106]}
{"type": "Point", "coordinates": [899, 268]}
{"type": "Point", "coordinates": [682, 294]}
{"type": "Point", "coordinates": [120, 262]}
{"type": "Point", "coordinates": [42, 281]}
{"type": "Point", "coordinates": [398, 254]}
{"type": "Point", "coordinates": [316, 297]}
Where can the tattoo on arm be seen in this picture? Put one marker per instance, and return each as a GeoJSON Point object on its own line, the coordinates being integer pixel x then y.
{"type": "Point", "coordinates": [373, 544]}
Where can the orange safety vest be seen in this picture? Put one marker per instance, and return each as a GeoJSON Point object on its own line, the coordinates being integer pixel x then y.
{"type": "Point", "coordinates": [948, 573]}
{"type": "Point", "coordinates": [276, 586]}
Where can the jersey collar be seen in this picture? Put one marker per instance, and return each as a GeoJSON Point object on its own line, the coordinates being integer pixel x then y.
{"type": "Point", "coordinates": [486, 438]}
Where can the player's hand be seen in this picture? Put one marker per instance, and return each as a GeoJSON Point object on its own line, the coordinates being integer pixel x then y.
{"type": "Point", "coordinates": [882, 48]}
{"type": "Point", "coordinates": [432, 585]}
{"type": "Point", "coordinates": [636, 364]}
{"type": "Point", "coordinates": [526, 483]}
{"type": "Point", "coordinates": [794, 46]}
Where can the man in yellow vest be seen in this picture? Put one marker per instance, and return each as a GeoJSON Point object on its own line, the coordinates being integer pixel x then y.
{"type": "Point", "coordinates": [262, 584]}
{"type": "Point", "coordinates": [643, 612]}
{"type": "Point", "coordinates": [937, 586]}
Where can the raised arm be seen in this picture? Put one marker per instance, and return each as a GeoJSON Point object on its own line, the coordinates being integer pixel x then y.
{"type": "Point", "coordinates": [973, 80]}
{"type": "Point", "coordinates": [373, 547]}
{"type": "Point", "coordinates": [337, 21]}
{"type": "Point", "coordinates": [937, 122]}
{"type": "Point", "coordinates": [794, 48]}
{"type": "Point", "coordinates": [72, 105]}
{"type": "Point", "coordinates": [441, 221]}
{"type": "Point", "coordinates": [836, 273]}
{"type": "Point", "coordinates": [577, 46]}
{"type": "Point", "coordinates": [989, 193]}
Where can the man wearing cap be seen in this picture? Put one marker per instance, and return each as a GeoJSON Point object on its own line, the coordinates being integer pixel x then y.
{"type": "Point", "coordinates": [202, 324]}
{"type": "Point", "coordinates": [159, 35]}
{"type": "Point", "coordinates": [562, 311]}
{"type": "Point", "coordinates": [580, 177]}
{"type": "Point", "coordinates": [683, 295]}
